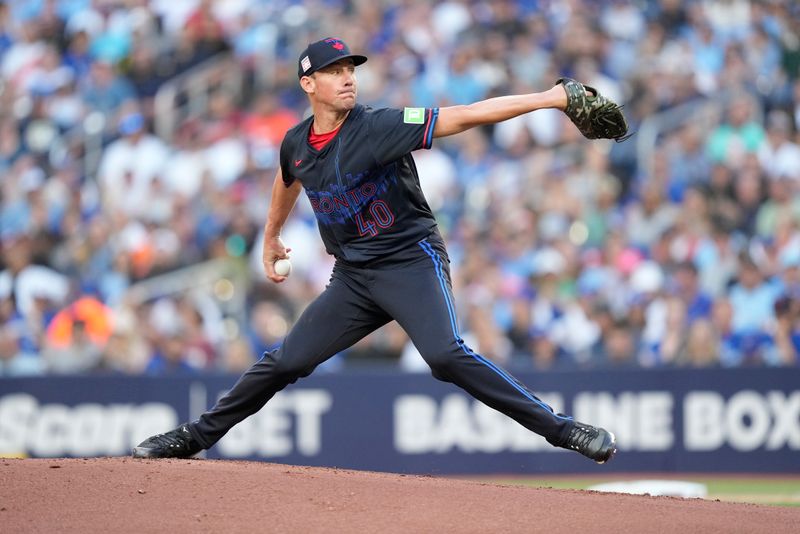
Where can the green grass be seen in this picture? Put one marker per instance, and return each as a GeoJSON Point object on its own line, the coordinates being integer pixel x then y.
{"type": "Point", "coordinates": [778, 491]}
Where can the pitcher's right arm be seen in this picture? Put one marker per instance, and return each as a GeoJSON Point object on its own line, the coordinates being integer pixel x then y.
{"type": "Point", "coordinates": [283, 200]}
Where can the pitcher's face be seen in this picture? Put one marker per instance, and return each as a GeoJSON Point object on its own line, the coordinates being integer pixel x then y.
{"type": "Point", "coordinates": [333, 85]}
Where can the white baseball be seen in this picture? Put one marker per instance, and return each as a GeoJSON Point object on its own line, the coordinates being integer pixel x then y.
{"type": "Point", "coordinates": [283, 267]}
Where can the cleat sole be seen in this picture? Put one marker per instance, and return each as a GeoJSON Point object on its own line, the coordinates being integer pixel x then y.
{"type": "Point", "coordinates": [146, 452]}
{"type": "Point", "coordinates": [143, 452]}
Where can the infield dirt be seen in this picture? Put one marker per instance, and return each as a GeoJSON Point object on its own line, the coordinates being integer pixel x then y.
{"type": "Point", "coordinates": [124, 495]}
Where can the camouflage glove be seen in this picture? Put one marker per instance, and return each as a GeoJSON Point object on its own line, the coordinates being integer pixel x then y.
{"type": "Point", "coordinates": [596, 116]}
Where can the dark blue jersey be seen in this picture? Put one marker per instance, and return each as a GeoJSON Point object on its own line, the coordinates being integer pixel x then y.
{"type": "Point", "coordinates": [363, 185]}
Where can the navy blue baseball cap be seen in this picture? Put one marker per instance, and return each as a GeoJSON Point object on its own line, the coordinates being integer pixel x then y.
{"type": "Point", "coordinates": [322, 53]}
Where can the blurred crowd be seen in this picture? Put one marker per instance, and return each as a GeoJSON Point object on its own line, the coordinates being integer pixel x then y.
{"type": "Point", "coordinates": [679, 247]}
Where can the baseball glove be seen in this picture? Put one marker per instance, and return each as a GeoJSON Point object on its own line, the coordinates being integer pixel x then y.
{"type": "Point", "coordinates": [596, 116]}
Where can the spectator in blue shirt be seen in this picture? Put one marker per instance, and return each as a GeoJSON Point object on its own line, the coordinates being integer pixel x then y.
{"type": "Point", "coordinates": [687, 288]}
{"type": "Point", "coordinates": [752, 299]}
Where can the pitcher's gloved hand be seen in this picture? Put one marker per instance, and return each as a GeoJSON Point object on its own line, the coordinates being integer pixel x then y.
{"type": "Point", "coordinates": [596, 116]}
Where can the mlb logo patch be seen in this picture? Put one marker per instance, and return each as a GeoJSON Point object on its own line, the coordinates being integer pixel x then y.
{"type": "Point", "coordinates": [414, 115]}
{"type": "Point", "coordinates": [305, 63]}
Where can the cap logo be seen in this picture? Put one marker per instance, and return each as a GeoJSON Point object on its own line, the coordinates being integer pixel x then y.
{"type": "Point", "coordinates": [305, 63]}
{"type": "Point", "coordinates": [335, 43]}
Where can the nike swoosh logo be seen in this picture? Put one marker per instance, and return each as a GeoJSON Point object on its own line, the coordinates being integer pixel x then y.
{"type": "Point", "coordinates": [297, 162]}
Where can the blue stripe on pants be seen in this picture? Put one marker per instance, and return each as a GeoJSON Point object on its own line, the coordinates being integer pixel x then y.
{"type": "Point", "coordinates": [437, 262]}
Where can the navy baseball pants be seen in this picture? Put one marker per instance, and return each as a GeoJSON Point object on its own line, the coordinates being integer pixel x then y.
{"type": "Point", "coordinates": [418, 295]}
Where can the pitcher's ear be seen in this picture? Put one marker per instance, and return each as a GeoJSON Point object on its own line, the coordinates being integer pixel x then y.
{"type": "Point", "coordinates": [307, 84]}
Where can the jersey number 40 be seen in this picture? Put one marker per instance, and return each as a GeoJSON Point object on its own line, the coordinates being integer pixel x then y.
{"type": "Point", "coordinates": [380, 216]}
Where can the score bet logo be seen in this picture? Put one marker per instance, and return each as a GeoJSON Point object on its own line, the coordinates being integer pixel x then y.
{"type": "Point", "coordinates": [414, 115]}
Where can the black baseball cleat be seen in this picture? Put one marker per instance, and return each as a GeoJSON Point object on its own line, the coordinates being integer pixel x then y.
{"type": "Point", "coordinates": [177, 443]}
{"type": "Point", "coordinates": [593, 442]}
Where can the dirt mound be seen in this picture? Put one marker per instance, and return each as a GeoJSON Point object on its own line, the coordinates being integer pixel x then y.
{"type": "Point", "coordinates": [124, 495]}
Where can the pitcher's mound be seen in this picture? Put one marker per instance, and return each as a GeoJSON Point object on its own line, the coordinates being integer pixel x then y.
{"type": "Point", "coordinates": [123, 495]}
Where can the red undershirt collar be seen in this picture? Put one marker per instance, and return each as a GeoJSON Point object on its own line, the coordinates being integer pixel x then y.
{"type": "Point", "coordinates": [318, 141]}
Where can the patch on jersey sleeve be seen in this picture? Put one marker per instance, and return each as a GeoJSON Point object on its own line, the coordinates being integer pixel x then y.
{"type": "Point", "coordinates": [414, 115]}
